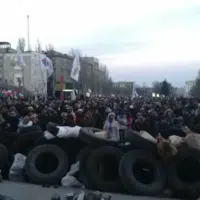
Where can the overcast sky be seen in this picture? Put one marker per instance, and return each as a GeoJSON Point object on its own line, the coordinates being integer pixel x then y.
{"type": "Point", "coordinates": [139, 40]}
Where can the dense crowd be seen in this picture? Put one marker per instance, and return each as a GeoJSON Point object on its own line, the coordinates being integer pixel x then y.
{"type": "Point", "coordinates": [154, 115]}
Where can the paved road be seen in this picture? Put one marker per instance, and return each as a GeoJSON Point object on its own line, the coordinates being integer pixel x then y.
{"type": "Point", "coordinates": [25, 191]}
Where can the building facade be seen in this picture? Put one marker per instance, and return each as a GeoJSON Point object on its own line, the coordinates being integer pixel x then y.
{"type": "Point", "coordinates": [89, 73]}
{"type": "Point", "coordinates": [188, 87]}
{"type": "Point", "coordinates": [5, 48]}
{"type": "Point", "coordinates": [62, 64]}
{"type": "Point", "coordinates": [34, 78]}
{"type": "Point", "coordinates": [29, 73]}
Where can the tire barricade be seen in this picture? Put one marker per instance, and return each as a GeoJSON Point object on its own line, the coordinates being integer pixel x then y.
{"type": "Point", "coordinates": [110, 166]}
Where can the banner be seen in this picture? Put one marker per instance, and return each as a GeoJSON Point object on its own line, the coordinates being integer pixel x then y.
{"type": "Point", "coordinates": [46, 63]}
{"type": "Point", "coordinates": [75, 68]}
{"type": "Point", "coordinates": [20, 60]}
{"type": "Point", "coordinates": [134, 93]}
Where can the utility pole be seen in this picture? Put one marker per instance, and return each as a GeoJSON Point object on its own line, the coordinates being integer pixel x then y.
{"type": "Point", "coordinates": [28, 40]}
{"type": "Point", "coordinates": [144, 88]}
{"type": "Point", "coordinates": [28, 33]}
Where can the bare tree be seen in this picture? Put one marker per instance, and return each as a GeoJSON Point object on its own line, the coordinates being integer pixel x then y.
{"type": "Point", "coordinates": [30, 48]}
{"type": "Point", "coordinates": [50, 47]}
{"type": "Point", "coordinates": [74, 52]}
{"type": "Point", "coordinates": [96, 77]}
{"type": "Point", "coordinates": [156, 87]}
{"type": "Point", "coordinates": [38, 46]}
{"type": "Point", "coordinates": [195, 89]}
{"type": "Point", "coordinates": [21, 44]}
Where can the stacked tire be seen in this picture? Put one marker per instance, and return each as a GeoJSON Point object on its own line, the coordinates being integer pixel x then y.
{"type": "Point", "coordinates": [99, 168]}
{"type": "Point", "coordinates": [183, 172]}
{"type": "Point", "coordinates": [99, 162]}
{"type": "Point", "coordinates": [3, 156]}
{"type": "Point", "coordinates": [46, 164]}
{"type": "Point", "coordinates": [109, 169]}
{"type": "Point", "coordinates": [87, 135]}
{"type": "Point", "coordinates": [142, 173]}
{"type": "Point", "coordinates": [4, 161]}
{"type": "Point", "coordinates": [107, 166]}
{"type": "Point", "coordinates": [145, 174]}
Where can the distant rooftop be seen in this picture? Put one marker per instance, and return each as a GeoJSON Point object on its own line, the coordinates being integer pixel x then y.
{"type": "Point", "coordinates": [57, 54]}
{"type": "Point", "coordinates": [5, 43]}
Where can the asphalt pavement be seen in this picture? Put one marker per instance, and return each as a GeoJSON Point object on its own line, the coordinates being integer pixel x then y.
{"type": "Point", "coordinates": [26, 191]}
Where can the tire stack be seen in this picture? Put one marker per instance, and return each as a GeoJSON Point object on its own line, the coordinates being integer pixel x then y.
{"type": "Point", "coordinates": [140, 172]}
{"type": "Point", "coordinates": [3, 156]}
{"type": "Point", "coordinates": [46, 164]}
{"type": "Point", "coordinates": [109, 166]}
{"type": "Point", "coordinates": [118, 173]}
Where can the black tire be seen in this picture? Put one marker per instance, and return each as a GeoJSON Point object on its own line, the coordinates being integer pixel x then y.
{"type": "Point", "coordinates": [71, 146]}
{"type": "Point", "coordinates": [44, 175]}
{"type": "Point", "coordinates": [82, 157]}
{"type": "Point", "coordinates": [132, 173]}
{"type": "Point", "coordinates": [83, 154]}
{"type": "Point", "coordinates": [3, 156]}
{"type": "Point", "coordinates": [104, 159]}
{"type": "Point", "coordinates": [3, 197]}
{"type": "Point", "coordinates": [93, 140]}
{"type": "Point", "coordinates": [93, 129]}
{"type": "Point", "coordinates": [183, 173]}
{"type": "Point", "coordinates": [52, 128]}
{"type": "Point", "coordinates": [138, 142]}
{"type": "Point", "coordinates": [25, 142]}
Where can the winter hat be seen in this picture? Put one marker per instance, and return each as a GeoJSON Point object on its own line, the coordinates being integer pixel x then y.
{"type": "Point", "coordinates": [108, 110]}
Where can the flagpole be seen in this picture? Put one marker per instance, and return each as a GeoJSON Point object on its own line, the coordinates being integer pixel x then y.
{"type": "Point", "coordinates": [28, 33]}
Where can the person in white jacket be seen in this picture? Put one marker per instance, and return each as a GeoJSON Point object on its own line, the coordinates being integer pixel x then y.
{"type": "Point", "coordinates": [112, 127]}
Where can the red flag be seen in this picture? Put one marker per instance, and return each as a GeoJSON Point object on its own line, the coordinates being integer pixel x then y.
{"type": "Point", "coordinates": [61, 87]}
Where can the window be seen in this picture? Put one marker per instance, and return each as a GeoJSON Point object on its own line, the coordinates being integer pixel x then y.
{"type": "Point", "coordinates": [68, 72]}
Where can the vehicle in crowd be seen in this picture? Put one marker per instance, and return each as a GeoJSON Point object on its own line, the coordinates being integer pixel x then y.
{"type": "Point", "coordinates": [69, 94]}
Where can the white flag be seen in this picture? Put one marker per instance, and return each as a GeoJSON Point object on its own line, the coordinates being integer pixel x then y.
{"type": "Point", "coordinates": [46, 63]}
{"type": "Point", "coordinates": [75, 68]}
{"type": "Point", "coordinates": [134, 93]}
{"type": "Point", "coordinates": [19, 58]}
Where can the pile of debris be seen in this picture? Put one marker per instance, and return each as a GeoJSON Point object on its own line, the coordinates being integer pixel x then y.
{"type": "Point", "coordinates": [140, 165]}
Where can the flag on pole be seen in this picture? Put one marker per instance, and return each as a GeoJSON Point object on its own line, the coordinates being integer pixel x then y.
{"type": "Point", "coordinates": [134, 93]}
{"type": "Point", "coordinates": [75, 68]}
{"type": "Point", "coordinates": [46, 63]}
{"type": "Point", "coordinates": [20, 60]}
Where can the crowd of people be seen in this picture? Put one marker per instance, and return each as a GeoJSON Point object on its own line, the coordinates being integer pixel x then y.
{"type": "Point", "coordinates": [154, 115]}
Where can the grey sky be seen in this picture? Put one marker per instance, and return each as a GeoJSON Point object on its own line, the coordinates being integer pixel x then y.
{"type": "Point", "coordinates": [139, 41]}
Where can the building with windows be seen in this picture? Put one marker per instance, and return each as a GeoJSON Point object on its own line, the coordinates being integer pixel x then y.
{"type": "Point", "coordinates": [123, 84]}
{"type": "Point", "coordinates": [5, 48]}
{"type": "Point", "coordinates": [29, 72]}
{"type": "Point", "coordinates": [188, 87]}
{"type": "Point", "coordinates": [62, 70]}
{"type": "Point", "coordinates": [62, 64]}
